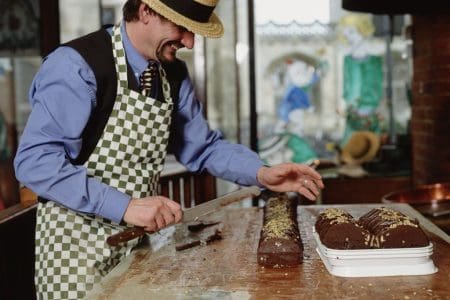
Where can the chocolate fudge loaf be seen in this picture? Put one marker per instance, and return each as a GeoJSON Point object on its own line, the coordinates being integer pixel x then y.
{"type": "Point", "coordinates": [338, 229]}
{"type": "Point", "coordinates": [280, 243]}
{"type": "Point", "coordinates": [392, 229]}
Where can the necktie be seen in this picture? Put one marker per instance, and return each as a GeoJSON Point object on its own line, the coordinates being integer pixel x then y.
{"type": "Point", "coordinates": [147, 79]}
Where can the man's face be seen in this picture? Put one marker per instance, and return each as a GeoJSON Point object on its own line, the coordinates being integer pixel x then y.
{"type": "Point", "coordinates": [170, 38]}
{"type": "Point", "coordinates": [155, 37]}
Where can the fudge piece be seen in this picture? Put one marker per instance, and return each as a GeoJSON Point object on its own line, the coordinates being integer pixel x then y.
{"type": "Point", "coordinates": [280, 243]}
{"type": "Point", "coordinates": [392, 229]}
{"type": "Point", "coordinates": [338, 229]}
{"type": "Point", "coordinates": [217, 235]}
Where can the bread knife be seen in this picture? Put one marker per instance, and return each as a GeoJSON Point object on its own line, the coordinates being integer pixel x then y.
{"type": "Point", "coordinates": [190, 214]}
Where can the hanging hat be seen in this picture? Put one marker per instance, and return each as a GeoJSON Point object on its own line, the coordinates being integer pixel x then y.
{"type": "Point", "coordinates": [361, 147]}
{"type": "Point", "coordinates": [195, 15]}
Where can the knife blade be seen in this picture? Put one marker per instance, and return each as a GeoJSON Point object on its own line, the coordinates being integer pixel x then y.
{"type": "Point", "coordinates": [190, 214]}
{"type": "Point", "coordinates": [194, 213]}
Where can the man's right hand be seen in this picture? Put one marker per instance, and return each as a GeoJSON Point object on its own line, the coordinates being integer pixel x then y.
{"type": "Point", "coordinates": [153, 213]}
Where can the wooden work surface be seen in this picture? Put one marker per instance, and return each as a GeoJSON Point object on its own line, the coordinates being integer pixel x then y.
{"type": "Point", "coordinates": [227, 269]}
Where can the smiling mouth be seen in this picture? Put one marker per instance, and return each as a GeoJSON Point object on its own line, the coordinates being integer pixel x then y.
{"type": "Point", "coordinates": [175, 46]}
{"type": "Point", "coordinates": [169, 51]}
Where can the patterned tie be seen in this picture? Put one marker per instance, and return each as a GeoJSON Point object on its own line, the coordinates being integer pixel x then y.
{"type": "Point", "coordinates": [147, 79]}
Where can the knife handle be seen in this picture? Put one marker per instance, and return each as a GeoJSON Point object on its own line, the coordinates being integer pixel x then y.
{"type": "Point", "coordinates": [125, 236]}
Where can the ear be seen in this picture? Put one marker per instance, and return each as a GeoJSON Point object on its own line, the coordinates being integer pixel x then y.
{"type": "Point", "coordinates": [144, 13]}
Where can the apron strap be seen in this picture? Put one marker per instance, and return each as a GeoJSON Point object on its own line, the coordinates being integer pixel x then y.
{"type": "Point", "coordinates": [121, 66]}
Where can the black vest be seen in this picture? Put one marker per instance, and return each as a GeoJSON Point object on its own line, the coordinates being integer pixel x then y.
{"type": "Point", "coordinates": [96, 49]}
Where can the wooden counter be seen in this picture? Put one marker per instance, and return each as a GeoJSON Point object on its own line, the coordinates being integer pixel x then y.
{"type": "Point", "coordinates": [227, 269]}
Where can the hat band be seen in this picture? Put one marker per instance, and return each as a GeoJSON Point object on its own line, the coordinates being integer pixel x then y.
{"type": "Point", "coordinates": [191, 9]}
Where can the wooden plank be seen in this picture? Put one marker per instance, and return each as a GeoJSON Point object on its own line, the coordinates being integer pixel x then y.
{"type": "Point", "coordinates": [187, 197]}
{"type": "Point", "coordinates": [228, 268]}
{"type": "Point", "coordinates": [49, 30]}
{"type": "Point", "coordinates": [176, 196]}
{"type": "Point", "coordinates": [204, 188]}
{"type": "Point", "coordinates": [165, 187]}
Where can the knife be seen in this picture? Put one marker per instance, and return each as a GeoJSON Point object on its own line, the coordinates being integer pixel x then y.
{"type": "Point", "coordinates": [190, 214]}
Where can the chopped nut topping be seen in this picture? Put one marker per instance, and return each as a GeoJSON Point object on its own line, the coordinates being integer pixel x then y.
{"type": "Point", "coordinates": [279, 216]}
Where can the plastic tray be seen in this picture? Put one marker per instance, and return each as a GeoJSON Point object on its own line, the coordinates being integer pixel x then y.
{"type": "Point", "coordinates": [376, 262]}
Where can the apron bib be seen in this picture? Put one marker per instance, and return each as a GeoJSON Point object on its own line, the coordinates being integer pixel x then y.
{"type": "Point", "coordinates": [71, 250]}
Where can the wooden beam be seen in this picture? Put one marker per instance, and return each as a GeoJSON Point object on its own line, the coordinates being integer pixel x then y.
{"type": "Point", "coordinates": [49, 26]}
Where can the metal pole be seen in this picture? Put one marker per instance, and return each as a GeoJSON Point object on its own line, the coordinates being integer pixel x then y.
{"type": "Point", "coordinates": [252, 80]}
{"type": "Point", "coordinates": [237, 72]}
{"type": "Point", "coordinates": [252, 83]}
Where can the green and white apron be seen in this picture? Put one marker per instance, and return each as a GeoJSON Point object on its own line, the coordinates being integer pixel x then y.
{"type": "Point", "coordinates": [71, 250]}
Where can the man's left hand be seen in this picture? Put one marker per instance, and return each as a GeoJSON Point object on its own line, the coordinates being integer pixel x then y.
{"type": "Point", "coordinates": [291, 177]}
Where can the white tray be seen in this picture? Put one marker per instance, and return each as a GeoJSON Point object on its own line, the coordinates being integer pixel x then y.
{"type": "Point", "coordinates": [376, 262]}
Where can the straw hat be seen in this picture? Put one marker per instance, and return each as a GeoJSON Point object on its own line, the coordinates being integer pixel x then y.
{"type": "Point", "coordinates": [195, 15]}
{"type": "Point", "coordinates": [361, 147]}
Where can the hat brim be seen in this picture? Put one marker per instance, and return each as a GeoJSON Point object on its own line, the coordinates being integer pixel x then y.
{"type": "Point", "coordinates": [374, 141]}
{"type": "Point", "coordinates": [212, 29]}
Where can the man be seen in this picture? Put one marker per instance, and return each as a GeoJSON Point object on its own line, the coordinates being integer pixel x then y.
{"type": "Point", "coordinates": [95, 142]}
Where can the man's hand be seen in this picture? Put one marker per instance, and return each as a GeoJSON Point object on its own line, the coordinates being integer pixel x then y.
{"type": "Point", "coordinates": [153, 213]}
{"type": "Point", "coordinates": [291, 177]}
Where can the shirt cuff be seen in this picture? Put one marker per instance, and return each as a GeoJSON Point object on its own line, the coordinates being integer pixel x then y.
{"type": "Point", "coordinates": [252, 168]}
{"type": "Point", "coordinates": [115, 205]}
{"type": "Point", "coordinates": [256, 176]}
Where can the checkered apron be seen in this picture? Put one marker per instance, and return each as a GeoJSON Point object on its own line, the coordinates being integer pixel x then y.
{"type": "Point", "coordinates": [71, 250]}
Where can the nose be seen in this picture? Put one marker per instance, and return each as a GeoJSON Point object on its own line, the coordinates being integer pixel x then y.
{"type": "Point", "coordinates": [188, 39]}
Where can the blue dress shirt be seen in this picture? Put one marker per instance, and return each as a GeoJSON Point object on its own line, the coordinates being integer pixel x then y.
{"type": "Point", "coordinates": [63, 95]}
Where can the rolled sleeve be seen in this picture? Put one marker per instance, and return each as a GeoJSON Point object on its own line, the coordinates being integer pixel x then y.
{"type": "Point", "coordinates": [114, 205]}
{"type": "Point", "coordinates": [62, 96]}
{"type": "Point", "coordinates": [200, 148]}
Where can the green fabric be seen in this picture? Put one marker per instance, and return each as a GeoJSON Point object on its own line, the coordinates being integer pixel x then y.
{"type": "Point", "coordinates": [363, 90]}
{"type": "Point", "coordinates": [363, 81]}
{"type": "Point", "coordinates": [301, 149]}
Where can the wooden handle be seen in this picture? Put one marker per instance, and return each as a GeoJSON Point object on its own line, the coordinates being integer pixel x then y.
{"type": "Point", "coordinates": [125, 236]}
